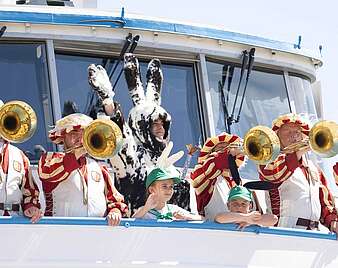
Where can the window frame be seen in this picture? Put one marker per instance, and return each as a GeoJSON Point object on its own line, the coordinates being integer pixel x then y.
{"type": "Point", "coordinates": [49, 66]}
{"type": "Point", "coordinates": [194, 64]}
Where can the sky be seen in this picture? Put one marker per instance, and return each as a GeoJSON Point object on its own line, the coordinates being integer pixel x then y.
{"type": "Point", "coordinates": [316, 21]}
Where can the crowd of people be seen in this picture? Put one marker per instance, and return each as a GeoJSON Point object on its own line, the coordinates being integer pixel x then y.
{"type": "Point", "coordinates": [76, 184]}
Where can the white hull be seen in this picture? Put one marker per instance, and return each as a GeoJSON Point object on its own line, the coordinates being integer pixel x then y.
{"type": "Point", "coordinates": [69, 243]}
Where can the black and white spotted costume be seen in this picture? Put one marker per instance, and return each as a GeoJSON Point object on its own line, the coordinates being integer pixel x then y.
{"type": "Point", "coordinates": [141, 149]}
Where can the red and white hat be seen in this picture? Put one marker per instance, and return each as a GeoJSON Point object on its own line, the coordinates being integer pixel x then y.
{"type": "Point", "coordinates": [291, 118]}
{"type": "Point", "coordinates": [67, 124]}
{"type": "Point", "coordinates": [213, 141]}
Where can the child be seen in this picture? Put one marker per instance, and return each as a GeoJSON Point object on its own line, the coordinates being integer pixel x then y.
{"type": "Point", "coordinates": [240, 205]}
{"type": "Point", "coordinates": [160, 188]}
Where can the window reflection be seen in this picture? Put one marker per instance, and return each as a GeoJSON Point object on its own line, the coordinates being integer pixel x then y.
{"type": "Point", "coordinates": [301, 94]}
{"type": "Point", "coordinates": [24, 77]}
{"type": "Point", "coordinates": [179, 95]}
{"type": "Point", "coordinates": [265, 99]}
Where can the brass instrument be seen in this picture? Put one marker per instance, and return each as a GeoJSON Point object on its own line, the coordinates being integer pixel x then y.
{"type": "Point", "coordinates": [261, 145]}
{"type": "Point", "coordinates": [102, 138]}
{"type": "Point", "coordinates": [323, 138]}
{"type": "Point", "coordinates": [18, 121]}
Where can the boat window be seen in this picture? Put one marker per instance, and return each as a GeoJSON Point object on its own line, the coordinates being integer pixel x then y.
{"type": "Point", "coordinates": [265, 99]}
{"type": "Point", "coordinates": [24, 75]}
{"type": "Point", "coordinates": [301, 94]}
{"type": "Point", "coordinates": [179, 94]}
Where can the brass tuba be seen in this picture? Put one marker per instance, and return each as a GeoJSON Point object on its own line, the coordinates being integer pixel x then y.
{"type": "Point", "coordinates": [18, 121]}
{"type": "Point", "coordinates": [261, 145]}
{"type": "Point", "coordinates": [102, 138]}
{"type": "Point", "coordinates": [323, 138]}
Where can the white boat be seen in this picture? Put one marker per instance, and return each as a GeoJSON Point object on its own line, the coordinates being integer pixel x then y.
{"type": "Point", "coordinates": [44, 54]}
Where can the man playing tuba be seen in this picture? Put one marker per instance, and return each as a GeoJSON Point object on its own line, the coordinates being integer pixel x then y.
{"type": "Point", "coordinates": [19, 193]}
{"type": "Point", "coordinates": [74, 184]}
{"type": "Point", "coordinates": [300, 197]}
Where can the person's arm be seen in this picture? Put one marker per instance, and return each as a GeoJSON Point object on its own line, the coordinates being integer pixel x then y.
{"type": "Point", "coordinates": [328, 210]}
{"type": "Point", "coordinates": [140, 213]}
{"type": "Point", "coordinates": [150, 204]}
{"type": "Point", "coordinates": [204, 175]}
{"type": "Point", "coordinates": [267, 220]}
{"type": "Point", "coordinates": [115, 201]}
{"type": "Point", "coordinates": [31, 206]}
{"type": "Point", "coordinates": [182, 214]}
{"type": "Point", "coordinates": [279, 170]}
{"type": "Point", "coordinates": [54, 168]}
{"type": "Point", "coordinates": [233, 217]}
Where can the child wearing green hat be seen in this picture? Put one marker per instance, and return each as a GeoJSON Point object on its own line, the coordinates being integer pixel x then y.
{"type": "Point", "coordinates": [160, 188]}
{"type": "Point", "coordinates": [240, 205]}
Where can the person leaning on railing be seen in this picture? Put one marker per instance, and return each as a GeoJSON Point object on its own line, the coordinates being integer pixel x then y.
{"type": "Point", "coordinates": [211, 177]}
{"type": "Point", "coordinates": [76, 185]}
{"type": "Point", "coordinates": [240, 204]}
{"type": "Point", "coordinates": [301, 198]}
{"type": "Point", "coordinates": [160, 188]}
{"type": "Point", "coordinates": [18, 191]}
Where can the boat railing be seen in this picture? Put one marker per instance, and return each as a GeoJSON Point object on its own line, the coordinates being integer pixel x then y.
{"type": "Point", "coordinates": [201, 225]}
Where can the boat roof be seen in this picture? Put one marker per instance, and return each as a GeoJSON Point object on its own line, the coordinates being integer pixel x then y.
{"type": "Point", "coordinates": [96, 18]}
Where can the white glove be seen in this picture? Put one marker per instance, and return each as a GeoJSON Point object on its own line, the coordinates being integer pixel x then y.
{"type": "Point", "coordinates": [165, 161]}
{"type": "Point", "coordinates": [99, 80]}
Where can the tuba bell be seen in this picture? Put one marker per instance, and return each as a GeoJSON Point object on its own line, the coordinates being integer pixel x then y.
{"type": "Point", "coordinates": [261, 145]}
{"type": "Point", "coordinates": [18, 121]}
{"type": "Point", "coordinates": [323, 138]}
{"type": "Point", "coordinates": [102, 139]}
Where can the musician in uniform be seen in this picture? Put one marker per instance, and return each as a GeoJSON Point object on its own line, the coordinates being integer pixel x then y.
{"type": "Point", "coordinates": [18, 192]}
{"type": "Point", "coordinates": [211, 177]}
{"type": "Point", "coordinates": [300, 196]}
{"type": "Point", "coordinates": [74, 183]}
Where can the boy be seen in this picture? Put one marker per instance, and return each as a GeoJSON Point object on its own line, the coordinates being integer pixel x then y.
{"type": "Point", "coordinates": [240, 205]}
{"type": "Point", "coordinates": [160, 188]}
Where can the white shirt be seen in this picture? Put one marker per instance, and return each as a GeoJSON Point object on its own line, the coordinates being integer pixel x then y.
{"type": "Point", "coordinates": [168, 208]}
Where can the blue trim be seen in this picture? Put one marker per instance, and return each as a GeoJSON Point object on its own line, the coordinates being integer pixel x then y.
{"type": "Point", "coordinates": [148, 25]}
{"type": "Point", "coordinates": [171, 224]}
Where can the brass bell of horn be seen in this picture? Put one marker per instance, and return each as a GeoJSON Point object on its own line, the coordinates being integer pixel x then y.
{"type": "Point", "coordinates": [323, 138]}
{"type": "Point", "coordinates": [18, 121]}
{"type": "Point", "coordinates": [261, 145]}
{"type": "Point", "coordinates": [102, 138]}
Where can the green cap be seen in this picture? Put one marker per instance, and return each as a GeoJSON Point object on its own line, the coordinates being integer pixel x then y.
{"type": "Point", "coordinates": [240, 192]}
{"type": "Point", "coordinates": [160, 174]}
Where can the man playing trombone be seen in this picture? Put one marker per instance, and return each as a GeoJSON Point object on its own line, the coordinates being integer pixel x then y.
{"type": "Point", "coordinates": [300, 196]}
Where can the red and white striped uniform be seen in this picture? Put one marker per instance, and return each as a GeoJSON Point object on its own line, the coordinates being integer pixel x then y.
{"type": "Point", "coordinates": [211, 177]}
{"type": "Point", "coordinates": [302, 190]}
{"type": "Point", "coordinates": [78, 187]}
{"type": "Point", "coordinates": [335, 173]}
{"type": "Point", "coordinates": [17, 185]}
